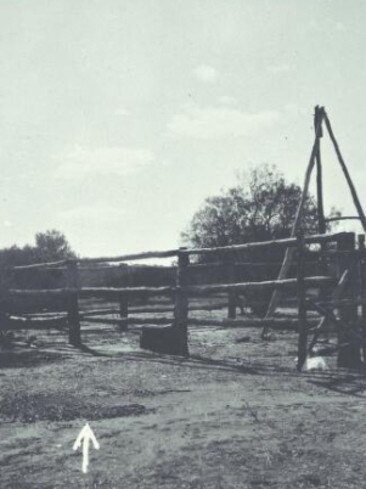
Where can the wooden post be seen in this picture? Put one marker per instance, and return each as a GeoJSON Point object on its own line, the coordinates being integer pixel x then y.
{"type": "Point", "coordinates": [319, 175]}
{"type": "Point", "coordinates": [320, 199]}
{"type": "Point", "coordinates": [301, 298]}
{"type": "Point", "coordinates": [335, 297]}
{"type": "Point", "coordinates": [123, 305]}
{"type": "Point", "coordinates": [362, 272]}
{"type": "Point", "coordinates": [4, 287]}
{"type": "Point", "coordinates": [232, 295]}
{"type": "Point", "coordinates": [351, 186]}
{"type": "Point", "coordinates": [72, 304]}
{"type": "Point", "coordinates": [123, 311]}
{"type": "Point", "coordinates": [349, 356]}
{"type": "Point", "coordinates": [296, 225]}
{"type": "Point", "coordinates": [181, 304]}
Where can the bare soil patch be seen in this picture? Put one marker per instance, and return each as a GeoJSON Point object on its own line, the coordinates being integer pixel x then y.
{"type": "Point", "coordinates": [235, 414]}
{"type": "Point", "coordinates": [30, 408]}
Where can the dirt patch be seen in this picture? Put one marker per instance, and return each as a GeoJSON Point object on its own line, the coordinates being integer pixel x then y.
{"type": "Point", "coordinates": [235, 414]}
{"type": "Point", "coordinates": [26, 358]}
{"type": "Point", "coordinates": [30, 408]}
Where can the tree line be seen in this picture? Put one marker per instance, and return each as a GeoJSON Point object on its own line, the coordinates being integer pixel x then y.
{"type": "Point", "coordinates": [50, 245]}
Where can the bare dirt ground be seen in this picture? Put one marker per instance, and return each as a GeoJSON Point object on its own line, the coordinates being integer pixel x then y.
{"type": "Point", "coordinates": [235, 414]}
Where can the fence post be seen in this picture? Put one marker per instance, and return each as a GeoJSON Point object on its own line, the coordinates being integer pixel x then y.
{"type": "Point", "coordinates": [181, 304]}
{"type": "Point", "coordinates": [349, 356]}
{"type": "Point", "coordinates": [123, 306]}
{"type": "Point", "coordinates": [232, 296]}
{"type": "Point", "coordinates": [4, 287]}
{"type": "Point", "coordinates": [72, 303]}
{"type": "Point", "coordinates": [362, 272]}
{"type": "Point", "coordinates": [123, 311]}
{"type": "Point", "coordinates": [301, 298]}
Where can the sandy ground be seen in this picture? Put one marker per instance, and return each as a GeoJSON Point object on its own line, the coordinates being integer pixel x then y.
{"type": "Point", "coordinates": [233, 415]}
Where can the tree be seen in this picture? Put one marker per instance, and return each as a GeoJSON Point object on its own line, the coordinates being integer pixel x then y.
{"type": "Point", "coordinates": [262, 208]}
{"type": "Point", "coordinates": [52, 246]}
{"type": "Point", "coordinates": [17, 256]}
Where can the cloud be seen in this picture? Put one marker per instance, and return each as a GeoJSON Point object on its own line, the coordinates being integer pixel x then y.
{"type": "Point", "coordinates": [296, 110]}
{"type": "Point", "coordinates": [95, 212]}
{"type": "Point", "coordinates": [220, 122]}
{"type": "Point", "coordinates": [326, 25]}
{"type": "Point", "coordinates": [339, 26]}
{"type": "Point", "coordinates": [227, 100]}
{"type": "Point", "coordinates": [103, 161]}
{"type": "Point", "coordinates": [206, 74]}
{"type": "Point", "coordinates": [122, 112]}
{"type": "Point", "coordinates": [279, 68]}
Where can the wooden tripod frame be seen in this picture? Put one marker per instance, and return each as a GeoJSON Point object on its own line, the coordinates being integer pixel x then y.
{"type": "Point", "coordinates": [320, 117]}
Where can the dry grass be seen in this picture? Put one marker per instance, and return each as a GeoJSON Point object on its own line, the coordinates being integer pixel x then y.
{"type": "Point", "coordinates": [233, 415]}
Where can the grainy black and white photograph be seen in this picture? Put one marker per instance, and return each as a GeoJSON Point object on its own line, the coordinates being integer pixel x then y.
{"type": "Point", "coordinates": [182, 244]}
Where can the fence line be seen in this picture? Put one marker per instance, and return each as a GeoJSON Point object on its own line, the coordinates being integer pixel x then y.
{"type": "Point", "coordinates": [282, 243]}
{"type": "Point", "coordinates": [190, 289]}
{"type": "Point", "coordinates": [181, 291]}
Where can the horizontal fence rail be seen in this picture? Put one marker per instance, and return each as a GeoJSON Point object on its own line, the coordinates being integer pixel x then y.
{"type": "Point", "coordinates": [211, 288]}
{"type": "Point", "coordinates": [41, 265]}
{"type": "Point", "coordinates": [134, 256]}
{"type": "Point", "coordinates": [39, 292]}
{"type": "Point", "coordinates": [265, 284]}
{"type": "Point", "coordinates": [282, 243]}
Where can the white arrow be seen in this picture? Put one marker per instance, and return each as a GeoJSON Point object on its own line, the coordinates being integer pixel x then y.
{"type": "Point", "coordinates": [85, 435]}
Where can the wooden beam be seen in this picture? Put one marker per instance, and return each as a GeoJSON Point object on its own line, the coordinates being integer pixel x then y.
{"type": "Point", "coordinates": [123, 309]}
{"type": "Point", "coordinates": [301, 298]}
{"type": "Point", "coordinates": [335, 297]}
{"type": "Point", "coordinates": [132, 256]}
{"type": "Point", "coordinates": [73, 319]}
{"type": "Point", "coordinates": [171, 253]}
{"type": "Point", "coordinates": [350, 356]}
{"type": "Point", "coordinates": [342, 302]}
{"type": "Point", "coordinates": [342, 218]}
{"type": "Point", "coordinates": [103, 320]}
{"type": "Point", "coordinates": [19, 323]}
{"type": "Point", "coordinates": [180, 323]}
{"type": "Point", "coordinates": [98, 312]}
{"type": "Point", "coordinates": [160, 309]}
{"type": "Point", "coordinates": [352, 188]}
{"type": "Point", "coordinates": [41, 265]}
{"type": "Point", "coordinates": [290, 324]}
{"type": "Point", "coordinates": [280, 243]}
{"type": "Point", "coordinates": [232, 299]}
{"type": "Point", "coordinates": [114, 292]}
{"type": "Point", "coordinates": [296, 225]}
{"type": "Point", "coordinates": [289, 283]}
{"type": "Point", "coordinates": [362, 275]}
{"type": "Point", "coordinates": [319, 175]}
{"type": "Point", "coordinates": [39, 292]}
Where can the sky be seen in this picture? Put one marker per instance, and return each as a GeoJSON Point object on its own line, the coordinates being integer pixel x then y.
{"type": "Point", "coordinates": [119, 117]}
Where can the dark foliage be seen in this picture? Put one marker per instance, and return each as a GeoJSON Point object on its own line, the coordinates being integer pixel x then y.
{"type": "Point", "coordinates": [51, 245]}
{"type": "Point", "coordinates": [259, 209]}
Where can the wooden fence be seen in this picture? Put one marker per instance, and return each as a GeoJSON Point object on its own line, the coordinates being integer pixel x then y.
{"type": "Point", "coordinates": [339, 248]}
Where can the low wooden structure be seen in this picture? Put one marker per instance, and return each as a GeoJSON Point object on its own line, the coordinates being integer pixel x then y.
{"type": "Point", "coordinates": [347, 292]}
